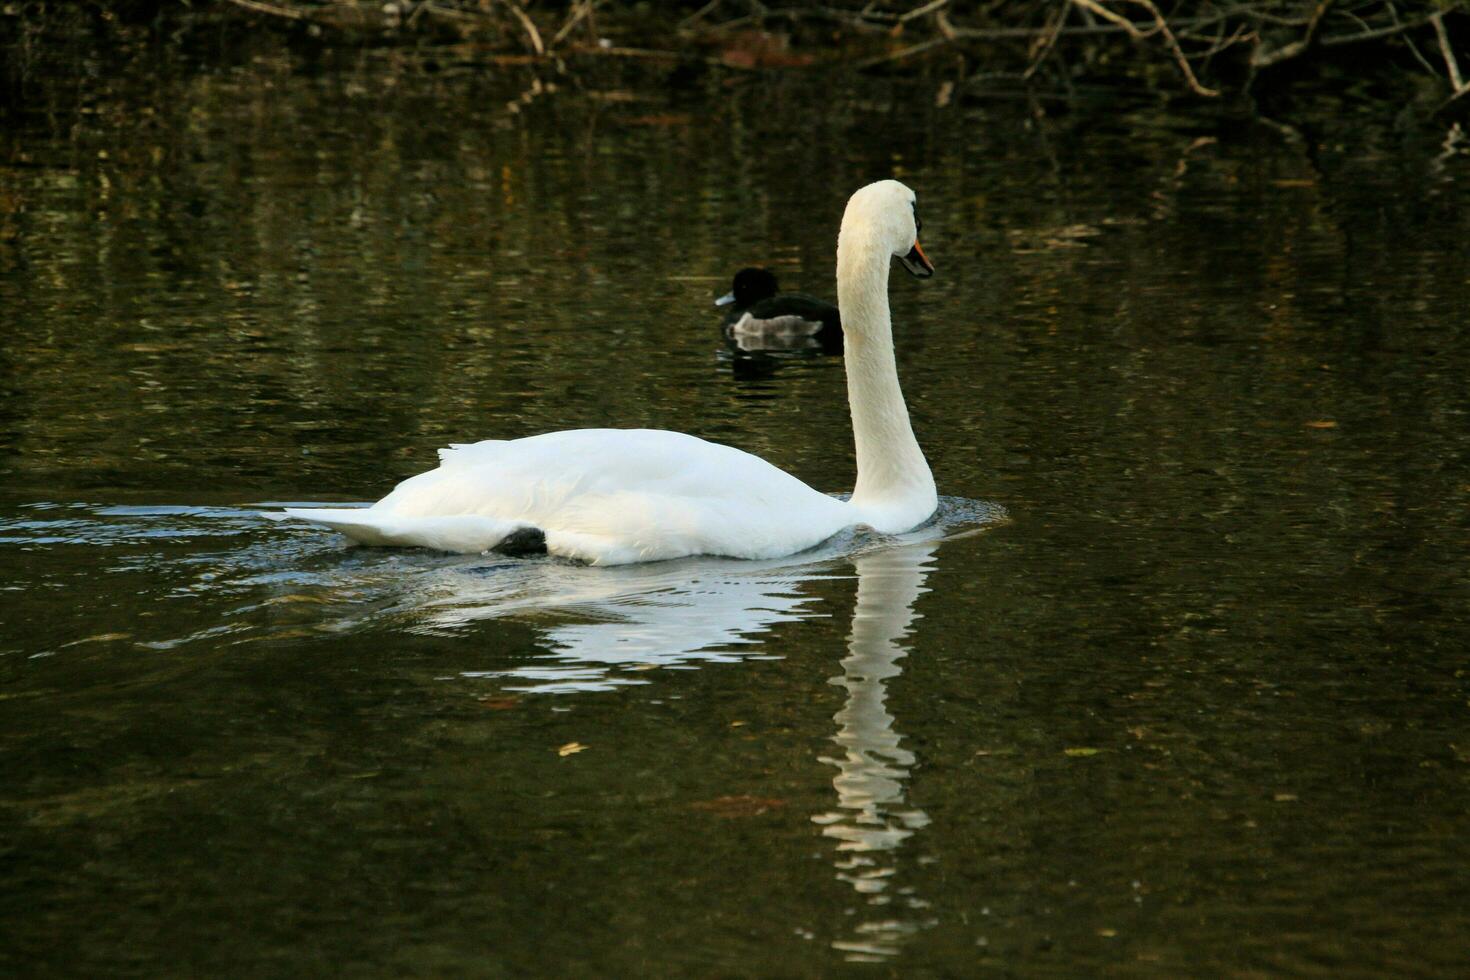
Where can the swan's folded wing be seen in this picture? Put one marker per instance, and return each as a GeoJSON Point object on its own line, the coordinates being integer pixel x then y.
{"type": "Point", "coordinates": [601, 496]}
{"type": "Point", "coordinates": [466, 533]}
{"type": "Point", "coordinates": [621, 527]}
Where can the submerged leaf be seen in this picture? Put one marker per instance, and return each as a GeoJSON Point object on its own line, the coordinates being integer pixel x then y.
{"type": "Point", "coordinates": [499, 704]}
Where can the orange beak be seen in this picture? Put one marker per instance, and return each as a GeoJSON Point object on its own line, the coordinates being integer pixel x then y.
{"type": "Point", "coordinates": [917, 262]}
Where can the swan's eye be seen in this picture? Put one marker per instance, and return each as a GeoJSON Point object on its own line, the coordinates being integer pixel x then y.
{"type": "Point", "coordinates": [918, 225]}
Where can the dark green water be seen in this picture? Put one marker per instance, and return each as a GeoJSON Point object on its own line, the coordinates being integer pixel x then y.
{"type": "Point", "coordinates": [1199, 704]}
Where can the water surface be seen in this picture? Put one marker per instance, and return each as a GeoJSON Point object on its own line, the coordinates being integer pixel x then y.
{"type": "Point", "coordinates": [1176, 685]}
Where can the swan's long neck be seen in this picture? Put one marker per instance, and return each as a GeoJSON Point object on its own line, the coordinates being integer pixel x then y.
{"type": "Point", "coordinates": [894, 484]}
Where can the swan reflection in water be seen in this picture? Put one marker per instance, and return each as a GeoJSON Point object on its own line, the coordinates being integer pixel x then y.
{"type": "Point", "coordinates": [659, 616]}
{"type": "Point", "coordinates": [599, 627]}
{"type": "Point", "coordinates": [669, 615]}
{"type": "Point", "coordinates": [600, 624]}
{"type": "Point", "coordinates": [873, 818]}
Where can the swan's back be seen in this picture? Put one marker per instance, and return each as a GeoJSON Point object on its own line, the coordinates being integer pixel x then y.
{"type": "Point", "coordinates": [606, 496]}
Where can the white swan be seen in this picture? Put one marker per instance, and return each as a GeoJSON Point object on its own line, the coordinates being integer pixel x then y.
{"type": "Point", "coordinates": [615, 496]}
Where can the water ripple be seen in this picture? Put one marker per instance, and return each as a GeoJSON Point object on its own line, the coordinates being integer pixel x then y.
{"type": "Point", "coordinates": [229, 575]}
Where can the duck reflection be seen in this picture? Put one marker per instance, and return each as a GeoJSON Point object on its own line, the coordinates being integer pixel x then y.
{"type": "Point", "coordinates": [873, 818]}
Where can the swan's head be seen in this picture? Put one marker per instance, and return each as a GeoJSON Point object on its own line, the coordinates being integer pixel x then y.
{"type": "Point", "coordinates": [886, 214]}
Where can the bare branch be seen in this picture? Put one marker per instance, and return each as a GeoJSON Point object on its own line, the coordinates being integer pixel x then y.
{"type": "Point", "coordinates": [903, 53]}
{"type": "Point", "coordinates": [1450, 62]}
{"type": "Point", "coordinates": [1112, 17]}
{"type": "Point", "coordinates": [1241, 33]}
{"type": "Point", "coordinates": [698, 15]}
{"type": "Point", "coordinates": [1045, 43]}
{"type": "Point", "coordinates": [1023, 37]}
{"type": "Point", "coordinates": [269, 8]}
{"type": "Point", "coordinates": [1398, 27]}
{"type": "Point", "coordinates": [1161, 28]}
{"type": "Point", "coordinates": [1295, 48]}
{"type": "Point", "coordinates": [918, 12]}
{"type": "Point", "coordinates": [580, 12]}
{"type": "Point", "coordinates": [1177, 51]}
{"type": "Point", "coordinates": [530, 27]}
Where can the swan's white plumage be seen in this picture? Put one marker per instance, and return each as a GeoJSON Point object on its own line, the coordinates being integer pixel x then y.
{"type": "Point", "coordinates": [614, 496]}
{"type": "Point", "coordinates": [605, 496]}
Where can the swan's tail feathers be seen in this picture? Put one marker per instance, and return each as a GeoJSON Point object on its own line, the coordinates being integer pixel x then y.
{"type": "Point", "coordinates": [464, 533]}
{"type": "Point", "coordinates": [470, 453]}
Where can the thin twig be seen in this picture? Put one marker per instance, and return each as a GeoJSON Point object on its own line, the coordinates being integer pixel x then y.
{"type": "Point", "coordinates": [698, 15]}
{"type": "Point", "coordinates": [1161, 28]}
{"type": "Point", "coordinates": [579, 12]}
{"type": "Point", "coordinates": [1286, 130]}
{"type": "Point", "coordinates": [1242, 33]}
{"type": "Point", "coordinates": [452, 13]}
{"type": "Point", "coordinates": [1450, 62]}
{"type": "Point", "coordinates": [1113, 17]}
{"type": "Point", "coordinates": [1398, 27]}
{"type": "Point", "coordinates": [903, 53]}
{"type": "Point", "coordinates": [942, 24]}
{"type": "Point", "coordinates": [1287, 51]}
{"type": "Point", "coordinates": [1447, 102]}
{"type": "Point", "coordinates": [1048, 41]}
{"type": "Point", "coordinates": [1178, 52]}
{"type": "Point", "coordinates": [269, 8]}
{"type": "Point", "coordinates": [528, 25]}
{"type": "Point", "coordinates": [918, 12]}
{"type": "Point", "coordinates": [1409, 40]}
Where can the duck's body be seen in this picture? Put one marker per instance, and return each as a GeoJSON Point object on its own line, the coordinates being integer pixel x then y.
{"type": "Point", "coordinates": [614, 496]}
{"type": "Point", "coordinates": [761, 315]}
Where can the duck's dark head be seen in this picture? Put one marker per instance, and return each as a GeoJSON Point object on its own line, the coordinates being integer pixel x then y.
{"type": "Point", "coordinates": [750, 286]}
